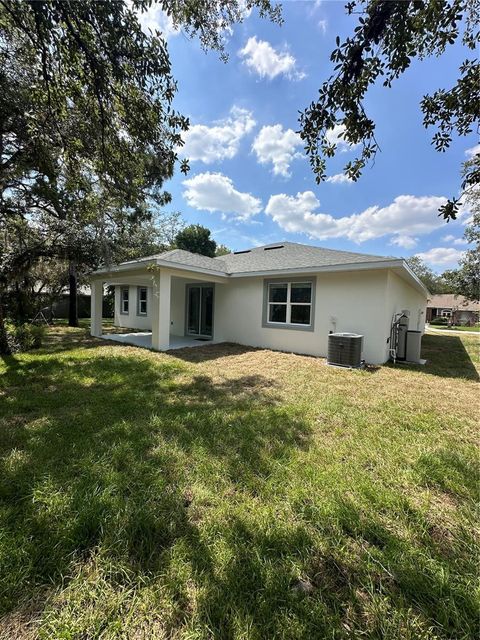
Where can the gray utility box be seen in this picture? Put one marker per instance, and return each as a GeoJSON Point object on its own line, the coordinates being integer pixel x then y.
{"type": "Point", "coordinates": [345, 349]}
{"type": "Point", "coordinates": [402, 339]}
{"type": "Point", "coordinates": [413, 346]}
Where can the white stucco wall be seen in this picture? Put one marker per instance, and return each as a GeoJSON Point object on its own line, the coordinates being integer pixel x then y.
{"type": "Point", "coordinates": [355, 299]}
{"type": "Point", "coordinates": [402, 296]}
{"type": "Point", "coordinates": [362, 302]}
{"type": "Point", "coordinates": [132, 320]}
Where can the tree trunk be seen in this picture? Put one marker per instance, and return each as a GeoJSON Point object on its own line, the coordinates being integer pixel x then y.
{"type": "Point", "coordinates": [21, 314]}
{"type": "Point", "coordinates": [4, 346]}
{"type": "Point", "coordinates": [73, 297]}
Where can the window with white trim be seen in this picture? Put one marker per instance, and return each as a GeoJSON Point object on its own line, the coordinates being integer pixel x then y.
{"type": "Point", "coordinates": [289, 303]}
{"type": "Point", "coordinates": [124, 300]}
{"type": "Point", "coordinates": [142, 301]}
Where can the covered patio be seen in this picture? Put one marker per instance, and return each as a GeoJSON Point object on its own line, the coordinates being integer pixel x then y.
{"type": "Point", "coordinates": [143, 339]}
{"type": "Point", "coordinates": [157, 307]}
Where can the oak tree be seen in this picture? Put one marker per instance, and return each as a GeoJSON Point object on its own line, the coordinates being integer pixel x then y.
{"type": "Point", "coordinates": [389, 36]}
{"type": "Point", "coordinates": [85, 113]}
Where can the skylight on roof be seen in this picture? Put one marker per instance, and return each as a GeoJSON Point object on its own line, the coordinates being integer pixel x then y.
{"type": "Point", "coordinates": [244, 251]}
{"type": "Point", "coordinates": [278, 246]}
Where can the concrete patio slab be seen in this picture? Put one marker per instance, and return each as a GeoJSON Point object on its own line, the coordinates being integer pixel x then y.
{"type": "Point", "coordinates": [143, 339]}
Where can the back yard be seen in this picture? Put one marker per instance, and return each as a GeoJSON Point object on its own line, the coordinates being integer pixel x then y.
{"type": "Point", "coordinates": [226, 492]}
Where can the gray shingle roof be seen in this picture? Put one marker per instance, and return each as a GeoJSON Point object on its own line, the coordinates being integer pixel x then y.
{"type": "Point", "coordinates": [179, 256]}
{"type": "Point", "coordinates": [193, 260]}
{"type": "Point", "coordinates": [290, 255]}
{"type": "Point", "coordinates": [280, 256]}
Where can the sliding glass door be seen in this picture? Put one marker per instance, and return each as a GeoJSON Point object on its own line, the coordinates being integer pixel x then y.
{"type": "Point", "coordinates": [200, 310]}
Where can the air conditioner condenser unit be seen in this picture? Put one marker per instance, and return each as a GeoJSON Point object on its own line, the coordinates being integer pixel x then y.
{"type": "Point", "coordinates": [345, 350]}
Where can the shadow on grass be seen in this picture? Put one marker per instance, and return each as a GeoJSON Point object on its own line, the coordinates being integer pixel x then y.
{"type": "Point", "coordinates": [450, 472]}
{"type": "Point", "coordinates": [153, 472]}
{"type": "Point", "coordinates": [446, 357]}
{"type": "Point", "coordinates": [409, 575]}
{"type": "Point", "coordinates": [96, 453]}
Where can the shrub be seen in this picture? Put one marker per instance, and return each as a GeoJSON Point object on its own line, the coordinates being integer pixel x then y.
{"type": "Point", "coordinates": [23, 337]}
{"type": "Point", "coordinates": [439, 321]}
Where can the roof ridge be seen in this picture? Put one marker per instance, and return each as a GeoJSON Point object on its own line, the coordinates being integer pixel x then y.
{"type": "Point", "coordinates": [294, 255]}
{"type": "Point", "coordinates": [314, 246]}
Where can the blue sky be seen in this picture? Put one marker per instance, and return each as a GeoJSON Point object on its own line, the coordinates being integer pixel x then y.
{"type": "Point", "coordinates": [250, 181]}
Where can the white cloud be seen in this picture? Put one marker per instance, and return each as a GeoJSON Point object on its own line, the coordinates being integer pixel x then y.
{"type": "Point", "coordinates": [334, 137]}
{"type": "Point", "coordinates": [155, 19]}
{"type": "Point", "coordinates": [454, 240]}
{"type": "Point", "coordinates": [322, 24]}
{"type": "Point", "coordinates": [278, 146]}
{"type": "Point", "coordinates": [339, 178]}
{"type": "Point", "coordinates": [316, 4]}
{"type": "Point", "coordinates": [220, 141]}
{"type": "Point", "coordinates": [472, 151]}
{"type": "Point", "coordinates": [263, 59]}
{"type": "Point", "coordinates": [405, 216]}
{"type": "Point", "coordinates": [404, 241]}
{"type": "Point", "coordinates": [215, 192]}
{"type": "Point", "coordinates": [441, 256]}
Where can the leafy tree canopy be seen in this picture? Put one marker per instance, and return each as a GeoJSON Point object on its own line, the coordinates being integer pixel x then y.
{"type": "Point", "coordinates": [434, 282]}
{"type": "Point", "coordinates": [95, 57]}
{"type": "Point", "coordinates": [389, 36]}
{"type": "Point", "coordinates": [196, 239]}
{"type": "Point", "coordinates": [466, 279]}
{"type": "Point", "coordinates": [222, 250]}
{"type": "Point", "coordinates": [88, 134]}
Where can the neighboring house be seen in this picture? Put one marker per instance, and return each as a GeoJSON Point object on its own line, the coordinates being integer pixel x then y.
{"type": "Point", "coordinates": [456, 309]}
{"type": "Point", "coordinates": [282, 296]}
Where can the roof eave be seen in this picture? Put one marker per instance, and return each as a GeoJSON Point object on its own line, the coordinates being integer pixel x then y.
{"type": "Point", "coordinates": [133, 266]}
{"type": "Point", "coordinates": [380, 264]}
{"type": "Point", "coordinates": [191, 268]}
{"type": "Point", "coordinates": [414, 276]}
{"type": "Point", "coordinates": [397, 263]}
{"type": "Point", "coordinates": [127, 266]}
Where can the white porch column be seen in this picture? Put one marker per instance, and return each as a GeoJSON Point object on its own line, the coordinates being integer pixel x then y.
{"type": "Point", "coordinates": [161, 311]}
{"type": "Point", "coordinates": [96, 303]}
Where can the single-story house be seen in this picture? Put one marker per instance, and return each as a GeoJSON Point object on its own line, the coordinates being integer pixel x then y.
{"type": "Point", "coordinates": [282, 296]}
{"type": "Point", "coordinates": [455, 309]}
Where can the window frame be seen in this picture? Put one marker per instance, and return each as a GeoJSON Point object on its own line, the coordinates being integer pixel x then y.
{"type": "Point", "coordinates": [141, 313]}
{"type": "Point", "coordinates": [267, 283]}
{"type": "Point", "coordinates": [122, 311]}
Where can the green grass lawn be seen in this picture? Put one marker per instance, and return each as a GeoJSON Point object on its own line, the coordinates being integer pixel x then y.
{"type": "Point", "coordinates": [232, 493]}
{"type": "Point", "coordinates": [475, 328]}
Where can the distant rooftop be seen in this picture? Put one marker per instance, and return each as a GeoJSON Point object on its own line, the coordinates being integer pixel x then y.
{"type": "Point", "coordinates": [452, 301]}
